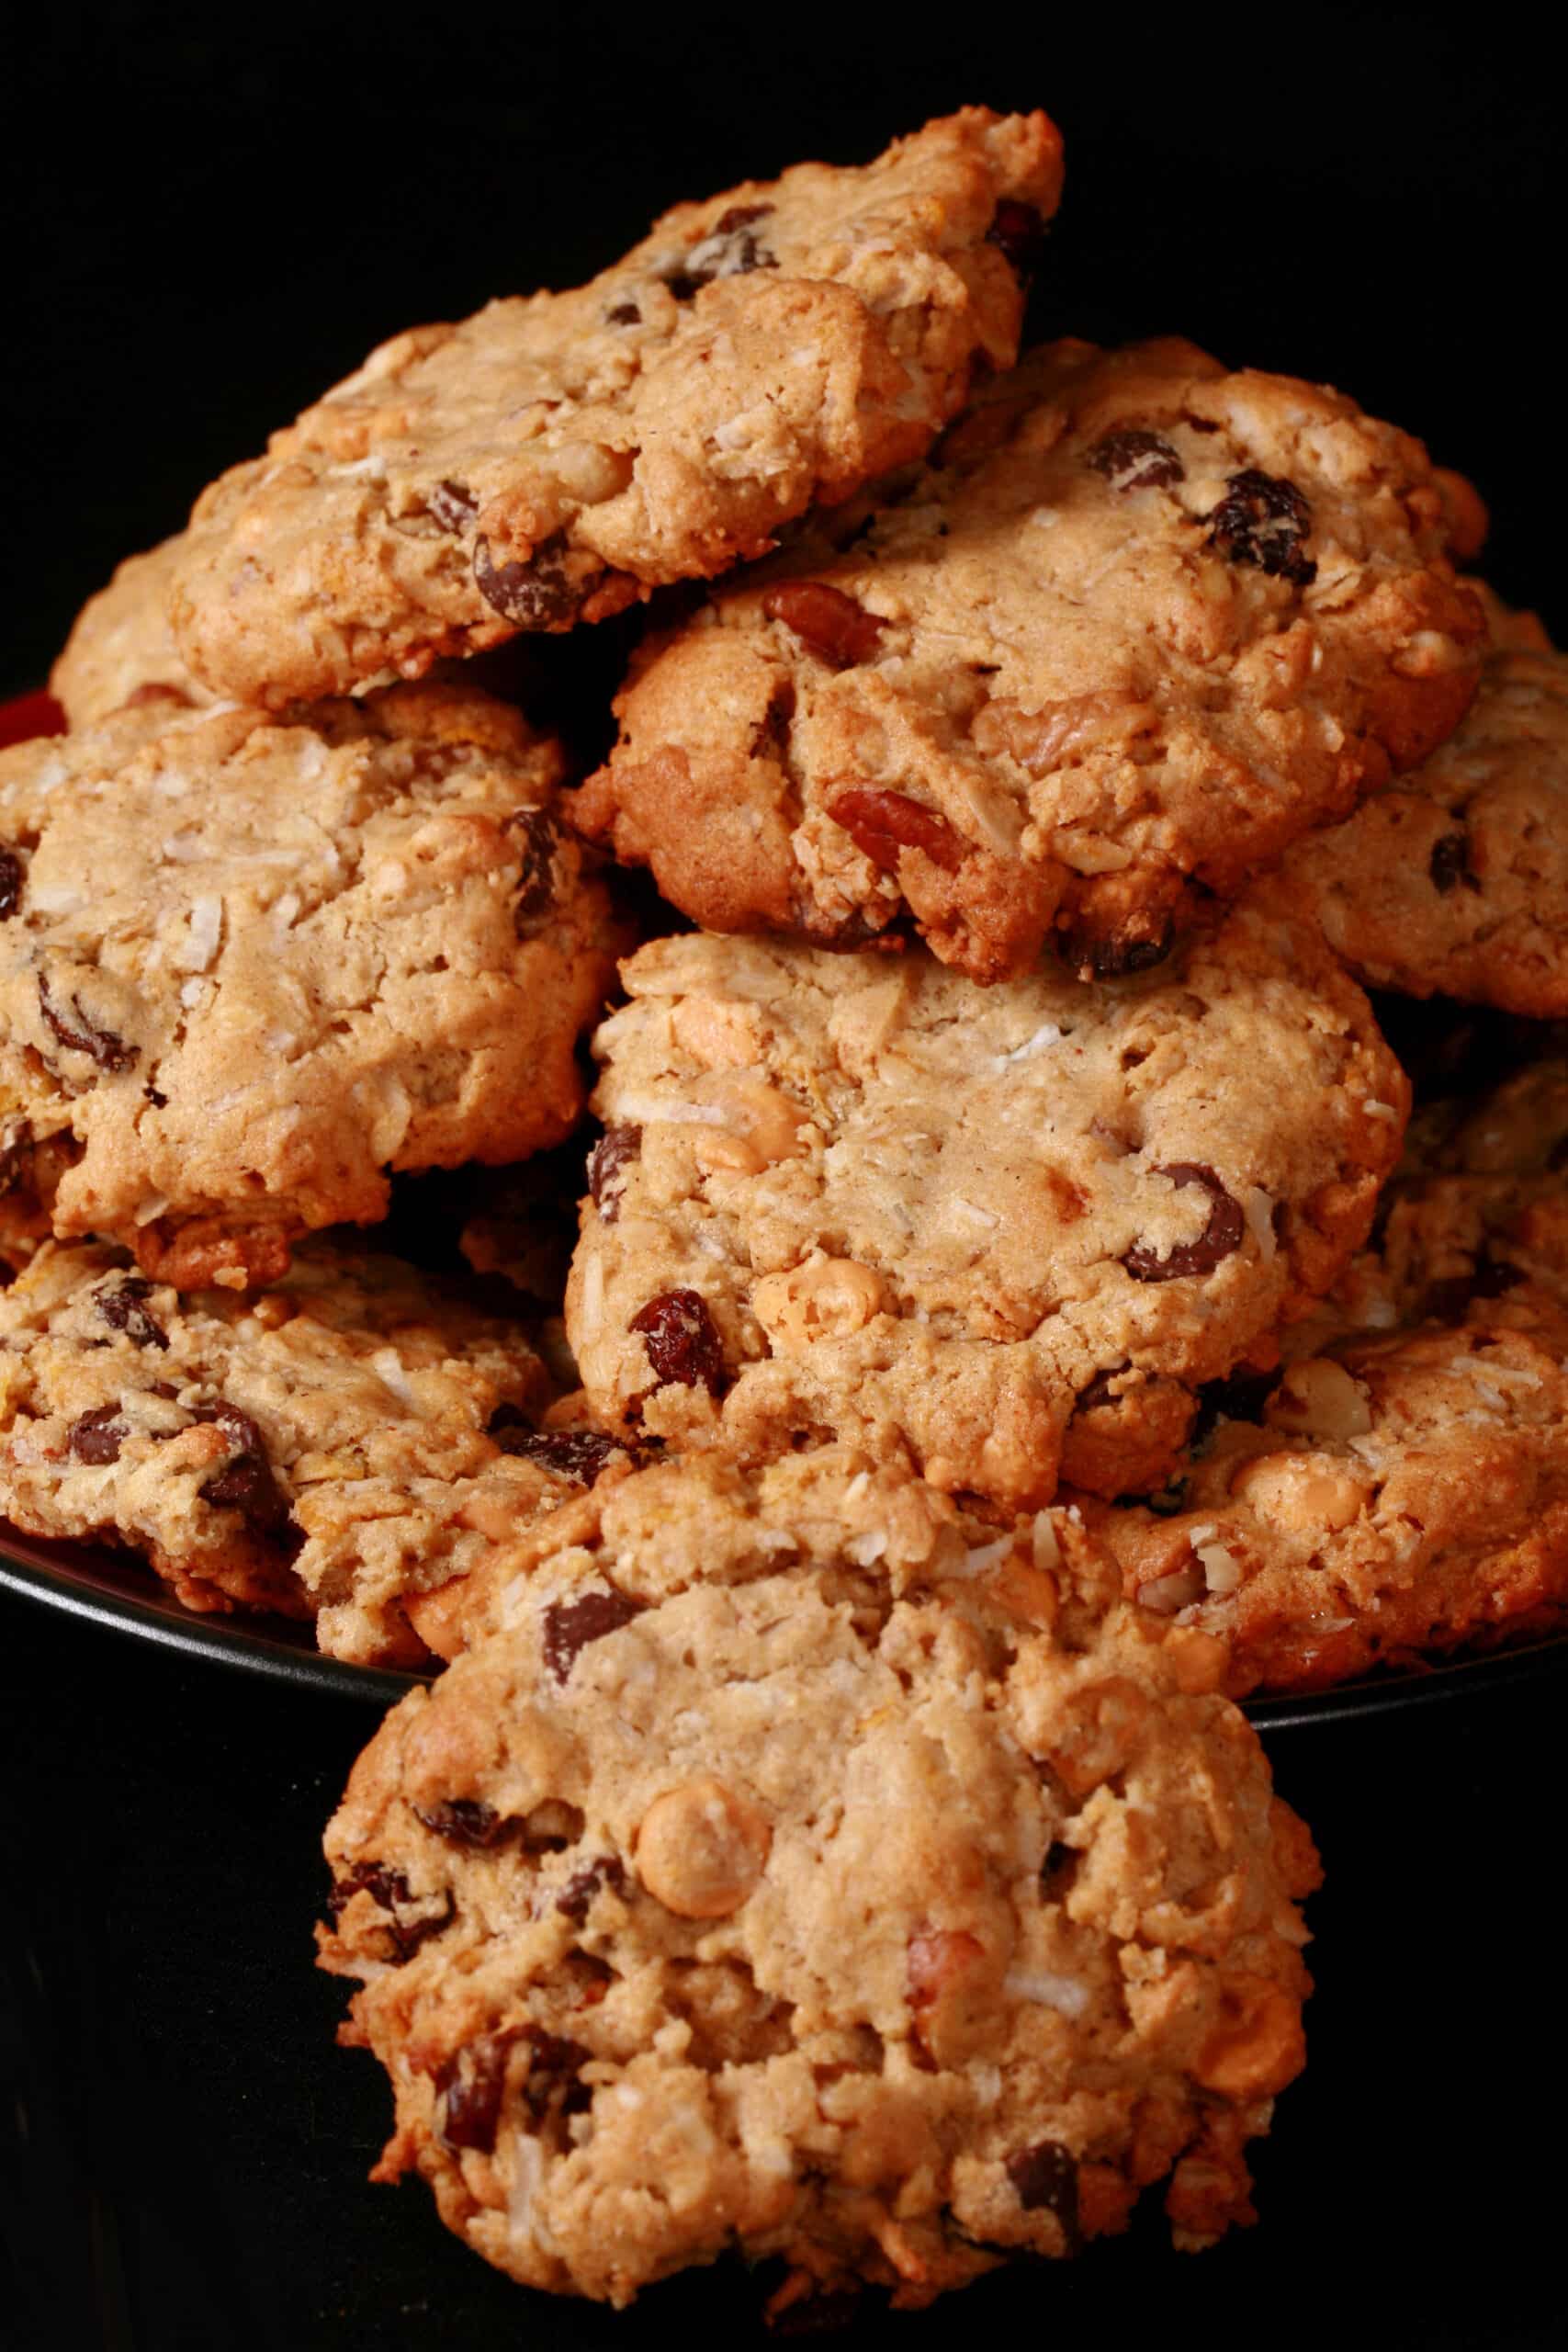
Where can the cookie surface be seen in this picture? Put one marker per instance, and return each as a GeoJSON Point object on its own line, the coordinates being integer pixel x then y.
{"type": "Point", "coordinates": [121, 648]}
{"type": "Point", "coordinates": [246, 968]}
{"type": "Point", "coordinates": [1142, 624]}
{"type": "Point", "coordinates": [1402, 1490]}
{"type": "Point", "coordinates": [800, 1868]}
{"type": "Point", "coordinates": [550, 459]}
{"type": "Point", "coordinates": [347, 1447]}
{"type": "Point", "coordinates": [1455, 880]}
{"type": "Point", "coordinates": [994, 1231]}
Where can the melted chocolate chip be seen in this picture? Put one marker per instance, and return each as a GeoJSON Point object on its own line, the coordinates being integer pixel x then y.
{"type": "Point", "coordinates": [884, 824]}
{"type": "Point", "coordinates": [837, 629]}
{"type": "Point", "coordinates": [539, 593]}
{"type": "Point", "coordinates": [1219, 1239]}
{"type": "Point", "coordinates": [246, 1483]}
{"type": "Point", "coordinates": [124, 1309]}
{"type": "Point", "coordinates": [466, 1821]}
{"type": "Point", "coordinates": [620, 1144]}
{"type": "Point", "coordinates": [570, 1625]}
{"type": "Point", "coordinates": [82, 1036]}
{"type": "Point", "coordinates": [1136, 459]}
{"type": "Point", "coordinates": [1263, 520]}
{"type": "Point", "coordinates": [1045, 2181]}
{"type": "Point", "coordinates": [11, 879]}
{"type": "Point", "coordinates": [680, 1341]}
{"type": "Point", "coordinates": [570, 1453]}
{"type": "Point", "coordinates": [98, 1437]}
{"type": "Point", "coordinates": [576, 1897]}
{"type": "Point", "coordinates": [1113, 960]}
{"type": "Point", "coordinates": [537, 887]}
{"type": "Point", "coordinates": [1449, 863]}
{"type": "Point", "coordinates": [453, 506]}
{"type": "Point", "coordinates": [1019, 233]}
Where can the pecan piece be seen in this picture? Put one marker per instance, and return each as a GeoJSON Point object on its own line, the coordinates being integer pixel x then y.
{"type": "Point", "coordinates": [837, 629]}
{"type": "Point", "coordinates": [884, 824]}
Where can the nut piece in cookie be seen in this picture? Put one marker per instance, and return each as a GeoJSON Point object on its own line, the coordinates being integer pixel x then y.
{"type": "Point", "coordinates": [248, 966]}
{"type": "Point", "coordinates": [549, 460]}
{"type": "Point", "coordinates": [1139, 625]}
{"type": "Point", "coordinates": [1004, 1233]}
{"type": "Point", "coordinates": [804, 1867]}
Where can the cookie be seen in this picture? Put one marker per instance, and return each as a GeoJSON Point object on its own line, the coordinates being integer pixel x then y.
{"type": "Point", "coordinates": [348, 1447]}
{"type": "Point", "coordinates": [1455, 881]}
{"type": "Point", "coordinates": [551, 459]}
{"type": "Point", "coordinates": [1139, 625]}
{"type": "Point", "coordinates": [997, 1232]}
{"type": "Point", "coordinates": [248, 966]}
{"type": "Point", "coordinates": [802, 1868]}
{"type": "Point", "coordinates": [121, 649]}
{"type": "Point", "coordinates": [1401, 1490]}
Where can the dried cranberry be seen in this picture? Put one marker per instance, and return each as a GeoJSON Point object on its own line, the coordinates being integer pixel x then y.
{"type": "Point", "coordinates": [1114, 959]}
{"type": "Point", "coordinates": [537, 887]}
{"type": "Point", "coordinates": [1045, 2179]}
{"type": "Point", "coordinates": [1264, 521]}
{"type": "Point", "coordinates": [470, 2086]}
{"type": "Point", "coordinates": [837, 629]}
{"type": "Point", "coordinates": [466, 1821]}
{"type": "Point", "coordinates": [1219, 1238]}
{"type": "Point", "coordinates": [883, 825]}
{"type": "Point", "coordinates": [453, 504]}
{"type": "Point", "coordinates": [680, 1341]}
{"type": "Point", "coordinates": [97, 1436]}
{"type": "Point", "coordinates": [124, 1309]}
{"type": "Point", "coordinates": [1019, 233]}
{"type": "Point", "coordinates": [1136, 459]}
{"type": "Point", "coordinates": [11, 879]}
{"type": "Point", "coordinates": [570, 1625]}
{"type": "Point", "coordinates": [620, 1144]}
{"type": "Point", "coordinates": [539, 593]}
{"type": "Point", "coordinates": [570, 1453]}
{"type": "Point", "coordinates": [246, 1483]}
{"type": "Point", "coordinates": [1449, 863]}
{"type": "Point", "coordinates": [110, 1053]}
{"type": "Point", "coordinates": [576, 1897]}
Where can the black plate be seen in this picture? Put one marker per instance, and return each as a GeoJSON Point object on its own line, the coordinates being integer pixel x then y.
{"type": "Point", "coordinates": [113, 1589]}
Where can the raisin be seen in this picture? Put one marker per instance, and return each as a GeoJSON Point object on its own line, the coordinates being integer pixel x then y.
{"type": "Point", "coordinates": [553, 2065]}
{"type": "Point", "coordinates": [837, 629]}
{"type": "Point", "coordinates": [883, 825]}
{"type": "Point", "coordinates": [538, 593]}
{"type": "Point", "coordinates": [1136, 459]}
{"type": "Point", "coordinates": [99, 1435]}
{"type": "Point", "coordinates": [388, 1889]}
{"type": "Point", "coordinates": [124, 1309]}
{"type": "Point", "coordinates": [537, 888]}
{"type": "Point", "coordinates": [470, 2086]}
{"type": "Point", "coordinates": [453, 504]}
{"type": "Point", "coordinates": [622, 314]}
{"type": "Point", "coordinates": [570, 1625]}
{"type": "Point", "coordinates": [110, 1053]}
{"type": "Point", "coordinates": [246, 1483]}
{"type": "Point", "coordinates": [619, 1145]}
{"type": "Point", "coordinates": [466, 1821]}
{"type": "Point", "coordinates": [11, 879]}
{"type": "Point", "coordinates": [570, 1453]}
{"type": "Point", "coordinates": [1019, 233]}
{"type": "Point", "coordinates": [1449, 863]}
{"type": "Point", "coordinates": [1094, 959]}
{"type": "Point", "coordinates": [1045, 2179]}
{"type": "Point", "coordinates": [1218, 1239]}
{"type": "Point", "coordinates": [1264, 521]}
{"type": "Point", "coordinates": [680, 1342]}
{"type": "Point", "coordinates": [729, 250]}
{"type": "Point", "coordinates": [576, 1897]}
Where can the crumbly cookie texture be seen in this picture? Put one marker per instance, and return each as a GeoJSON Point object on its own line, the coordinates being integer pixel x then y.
{"type": "Point", "coordinates": [121, 649]}
{"type": "Point", "coordinates": [248, 966]}
{"type": "Point", "coordinates": [998, 1233]}
{"type": "Point", "coordinates": [348, 1446]}
{"type": "Point", "coordinates": [802, 1868]}
{"type": "Point", "coordinates": [1402, 1490]}
{"type": "Point", "coordinates": [553, 458]}
{"type": "Point", "coordinates": [1140, 625]}
{"type": "Point", "coordinates": [1455, 881]}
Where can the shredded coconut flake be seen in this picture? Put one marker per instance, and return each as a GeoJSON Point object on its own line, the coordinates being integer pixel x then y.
{"type": "Point", "coordinates": [1220, 1571]}
{"type": "Point", "coordinates": [1379, 1109]}
{"type": "Point", "coordinates": [1045, 1036]}
{"type": "Point", "coordinates": [205, 930]}
{"type": "Point", "coordinates": [863, 1549]}
{"type": "Point", "coordinates": [1063, 1994]}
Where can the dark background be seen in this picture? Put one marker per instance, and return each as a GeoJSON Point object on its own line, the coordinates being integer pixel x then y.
{"type": "Point", "coordinates": [210, 215]}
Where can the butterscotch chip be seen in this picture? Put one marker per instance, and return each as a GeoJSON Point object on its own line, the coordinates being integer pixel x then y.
{"type": "Point", "coordinates": [732, 1892]}
{"type": "Point", "coordinates": [1139, 625]}
{"type": "Point", "coordinates": [996, 1233]}
{"type": "Point", "coordinates": [552, 459]}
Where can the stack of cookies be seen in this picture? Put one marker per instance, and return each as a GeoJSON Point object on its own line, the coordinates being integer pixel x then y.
{"type": "Point", "coordinates": [1009, 1320]}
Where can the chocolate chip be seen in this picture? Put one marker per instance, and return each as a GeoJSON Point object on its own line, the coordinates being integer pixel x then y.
{"type": "Point", "coordinates": [622, 314]}
{"type": "Point", "coordinates": [110, 1053]}
{"type": "Point", "coordinates": [246, 1483]}
{"type": "Point", "coordinates": [539, 593]}
{"type": "Point", "coordinates": [884, 824]}
{"type": "Point", "coordinates": [99, 1435]}
{"type": "Point", "coordinates": [1116, 958]}
{"type": "Point", "coordinates": [554, 2064]}
{"type": "Point", "coordinates": [123, 1309]}
{"type": "Point", "coordinates": [576, 1897]}
{"type": "Point", "coordinates": [1449, 863]}
{"type": "Point", "coordinates": [453, 506]}
{"type": "Point", "coordinates": [1045, 2179]}
{"type": "Point", "coordinates": [729, 250]}
{"type": "Point", "coordinates": [620, 1144]}
{"type": "Point", "coordinates": [466, 1821]}
{"type": "Point", "coordinates": [536, 888]}
{"type": "Point", "coordinates": [1219, 1239]}
{"type": "Point", "coordinates": [570, 1453]}
{"type": "Point", "coordinates": [1264, 521]}
{"type": "Point", "coordinates": [389, 1889]}
{"type": "Point", "coordinates": [570, 1625]}
{"type": "Point", "coordinates": [680, 1342]}
{"type": "Point", "coordinates": [837, 629]}
{"type": "Point", "coordinates": [11, 879]}
{"type": "Point", "coordinates": [470, 2086]}
{"type": "Point", "coordinates": [1100, 1390]}
{"type": "Point", "coordinates": [1019, 233]}
{"type": "Point", "coordinates": [1136, 459]}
